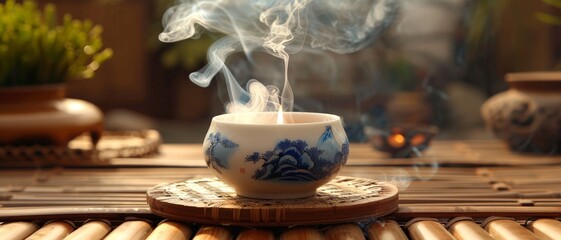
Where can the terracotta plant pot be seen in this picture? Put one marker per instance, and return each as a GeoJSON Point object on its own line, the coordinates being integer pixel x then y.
{"type": "Point", "coordinates": [42, 115]}
{"type": "Point", "coordinates": [528, 115]}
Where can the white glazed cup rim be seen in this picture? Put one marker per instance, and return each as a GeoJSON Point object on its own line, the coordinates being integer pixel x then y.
{"type": "Point", "coordinates": [298, 118]}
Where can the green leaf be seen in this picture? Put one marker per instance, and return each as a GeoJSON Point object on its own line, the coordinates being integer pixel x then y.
{"type": "Point", "coordinates": [34, 49]}
{"type": "Point", "coordinates": [554, 3]}
{"type": "Point", "coordinates": [548, 18]}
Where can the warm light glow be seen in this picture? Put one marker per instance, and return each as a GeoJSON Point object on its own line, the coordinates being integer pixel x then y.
{"type": "Point", "coordinates": [72, 106]}
{"type": "Point", "coordinates": [280, 117]}
{"type": "Point", "coordinates": [396, 140]}
{"type": "Point", "coordinates": [418, 140]}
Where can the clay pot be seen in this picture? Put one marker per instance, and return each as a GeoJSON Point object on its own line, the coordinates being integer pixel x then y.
{"type": "Point", "coordinates": [42, 115]}
{"type": "Point", "coordinates": [528, 115]}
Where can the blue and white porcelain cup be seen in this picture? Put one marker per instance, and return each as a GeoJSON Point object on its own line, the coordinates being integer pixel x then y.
{"type": "Point", "coordinates": [262, 159]}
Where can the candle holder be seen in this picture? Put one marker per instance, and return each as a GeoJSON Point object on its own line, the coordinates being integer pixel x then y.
{"type": "Point", "coordinates": [262, 159]}
{"type": "Point", "coordinates": [402, 141]}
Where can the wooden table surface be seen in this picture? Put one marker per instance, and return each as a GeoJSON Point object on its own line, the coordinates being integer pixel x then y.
{"type": "Point", "coordinates": [477, 178]}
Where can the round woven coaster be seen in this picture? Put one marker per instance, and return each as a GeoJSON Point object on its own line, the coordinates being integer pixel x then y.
{"type": "Point", "coordinates": [210, 201]}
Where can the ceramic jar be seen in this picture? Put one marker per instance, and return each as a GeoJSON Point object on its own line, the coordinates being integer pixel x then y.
{"type": "Point", "coordinates": [42, 115]}
{"type": "Point", "coordinates": [262, 159]}
{"type": "Point", "coordinates": [528, 115]}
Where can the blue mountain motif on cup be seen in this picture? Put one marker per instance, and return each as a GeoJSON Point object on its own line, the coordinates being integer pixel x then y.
{"type": "Point", "coordinates": [217, 155]}
{"type": "Point", "coordinates": [294, 161]}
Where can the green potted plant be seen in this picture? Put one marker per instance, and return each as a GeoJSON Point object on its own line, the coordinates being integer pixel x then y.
{"type": "Point", "coordinates": [37, 56]}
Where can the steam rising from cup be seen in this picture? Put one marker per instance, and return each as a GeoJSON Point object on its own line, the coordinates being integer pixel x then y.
{"type": "Point", "coordinates": [278, 27]}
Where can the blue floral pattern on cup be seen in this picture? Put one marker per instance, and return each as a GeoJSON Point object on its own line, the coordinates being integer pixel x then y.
{"type": "Point", "coordinates": [295, 161]}
{"type": "Point", "coordinates": [289, 161]}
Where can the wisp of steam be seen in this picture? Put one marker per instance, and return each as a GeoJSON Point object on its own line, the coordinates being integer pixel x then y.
{"type": "Point", "coordinates": [277, 27]}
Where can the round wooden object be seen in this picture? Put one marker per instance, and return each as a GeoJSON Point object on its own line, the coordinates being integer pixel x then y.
{"type": "Point", "coordinates": [41, 115]}
{"type": "Point", "coordinates": [210, 201]}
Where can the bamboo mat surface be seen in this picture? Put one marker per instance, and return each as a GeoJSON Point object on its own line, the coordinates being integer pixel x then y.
{"type": "Point", "coordinates": [468, 178]}
{"type": "Point", "coordinates": [465, 153]}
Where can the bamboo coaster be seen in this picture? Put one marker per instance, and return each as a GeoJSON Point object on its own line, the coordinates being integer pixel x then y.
{"type": "Point", "coordinates": [209, 201]}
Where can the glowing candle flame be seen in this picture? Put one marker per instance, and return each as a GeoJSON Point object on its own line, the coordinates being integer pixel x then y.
{"type": "Point", "coordinates": [280, 117]}
{"type": "Point", "coordinates": [396, 140]}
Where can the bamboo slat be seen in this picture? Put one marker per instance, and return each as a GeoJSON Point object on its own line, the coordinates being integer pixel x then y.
{"type": "Point", "coordinates": [347, 231]}
{"type": "Point", "coordinates": [424, 229]}
{"type": "Point", "coordinates": [92, 230]}
{"type": "Point", "coordinates": [256, 234]}
{"type": "Point", "coordinates": [169, 230]}
{"type": "Point", "coordinates": [73, 212]}
{"type": "Point", "coordinates": [465, 229]}
{"type": "Point", "coordinates": [213, 233]}
{"type": "Point", "coordinates": [411, 211]}
{"type": "Point", "coordinates": [302, 233]}
{"type": "Point", "coordinates": [546, 228]}
{"type": "Point", "coordinates": [55, 230]}
{"type": "Point", "coordinates": [17, 230]}
{"type": "Point", "coordinates": [507, 229]}
{"type": "Point", "coordinates": [386, 230]}
{"type": "Point", "coordinates": [131, 230]}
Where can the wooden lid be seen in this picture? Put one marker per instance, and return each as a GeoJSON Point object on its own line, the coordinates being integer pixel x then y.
{"type": "Point", "coordinates": [210, 201]}
{"type": "Point", "coordinates": [535, 80]}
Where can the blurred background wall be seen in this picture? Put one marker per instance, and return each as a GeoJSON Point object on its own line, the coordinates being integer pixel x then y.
{"type": "Point", "coordinates": [435, 55]}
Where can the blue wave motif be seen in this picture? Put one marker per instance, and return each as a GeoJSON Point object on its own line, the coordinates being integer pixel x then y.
{"type": "Point", "coordinates": [294, 161]}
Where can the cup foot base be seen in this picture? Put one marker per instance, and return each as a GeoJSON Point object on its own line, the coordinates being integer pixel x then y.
{"type": "Point", "coordinates": [293, 195]}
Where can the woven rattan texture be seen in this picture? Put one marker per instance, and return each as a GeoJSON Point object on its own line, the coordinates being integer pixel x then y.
{"type": "Point", "coordinates": [80, 150]}
{"type": "Point", "coordinates": [208, 200]}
